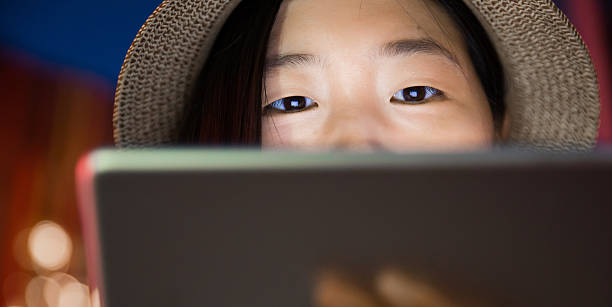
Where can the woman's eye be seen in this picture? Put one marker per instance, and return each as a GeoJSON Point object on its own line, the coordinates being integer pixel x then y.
{"type": "Point", "coordinates": [416, 94]}
{"type": "Point", "coordinates": [291, 104]}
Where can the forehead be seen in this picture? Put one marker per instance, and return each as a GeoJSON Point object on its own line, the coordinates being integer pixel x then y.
{"type": "Point", "coordinates": [315, 26]}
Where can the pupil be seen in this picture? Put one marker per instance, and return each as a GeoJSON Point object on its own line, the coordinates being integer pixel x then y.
{"type": "Point", "coordinates": [414, 93]}
{"type": "Point", "coordinates": [294, 103]}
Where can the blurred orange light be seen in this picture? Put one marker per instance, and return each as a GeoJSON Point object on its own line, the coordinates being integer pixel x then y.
{"type": "Point", "coordinates": [20, 249]}
{"type": "Point", "coordinates": [63, 279]}
{"type": "Point", "coordinates": [51, 292]}
{"type": "Point", "coordinates": [42, 292]}
{"type": "Point", "coordinates": [49, 245]}
{"type": "Point", "coordinates": [74, 294]}
{"type": "Point", "coordinates": [95, 298]}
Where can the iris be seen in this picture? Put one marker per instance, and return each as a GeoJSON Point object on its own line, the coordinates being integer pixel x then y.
{"type": "Point", "coordinates": [416, 94]}
{"type": "Point", "coordinates": [292, 104]}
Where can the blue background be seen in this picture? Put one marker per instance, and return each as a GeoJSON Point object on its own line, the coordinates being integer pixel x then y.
{"type": "Point", "coordinates": [86, 35]}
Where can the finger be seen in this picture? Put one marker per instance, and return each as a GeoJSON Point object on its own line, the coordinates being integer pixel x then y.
{"type": "Point", "coordinates": [334, 290]}
{"type": "Point", "coordinates": [400, 290]}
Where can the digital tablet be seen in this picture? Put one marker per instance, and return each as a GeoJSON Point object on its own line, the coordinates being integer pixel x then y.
{"type": "Point", "coordinates": [197, 227]}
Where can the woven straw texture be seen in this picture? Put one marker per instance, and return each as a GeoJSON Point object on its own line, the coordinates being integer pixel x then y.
{"type": "Point", "coordinates": [552, 90]}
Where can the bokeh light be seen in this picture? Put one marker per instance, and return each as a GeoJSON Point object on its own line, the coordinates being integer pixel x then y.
{"type": "Point", "coordinates": [35, 292]}
{"type": "Point", "coordinates": [49, 246]}
{"type": "Point", "coordinates": [63, 279]}
{"type": "Point", "coordinates": [95, 298]}
{"type": "Point", "coordinates": [50, 250]}
{"type": "Point", "coordinates": [51, 292]}
{"type": "Point", "coordinates": [74, 294]}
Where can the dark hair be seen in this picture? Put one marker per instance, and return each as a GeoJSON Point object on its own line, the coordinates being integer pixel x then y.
{"type": "Point", "coordinates": [483, 56]}
{"type": "Point", "coordinates": [226, 104]}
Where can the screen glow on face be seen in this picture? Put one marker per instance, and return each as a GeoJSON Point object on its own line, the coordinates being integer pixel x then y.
{"type": "Point", "coordinates": [385, 74]}
{"type": "Point", "coordinates": [410, 95]}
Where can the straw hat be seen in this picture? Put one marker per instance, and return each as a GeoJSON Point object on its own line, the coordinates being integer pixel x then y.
{"type": "Point", "coordinates": [552, 90]}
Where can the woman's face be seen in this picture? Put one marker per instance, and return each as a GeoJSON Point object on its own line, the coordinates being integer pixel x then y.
{"type": "Point", "coordinates": [371, 74]}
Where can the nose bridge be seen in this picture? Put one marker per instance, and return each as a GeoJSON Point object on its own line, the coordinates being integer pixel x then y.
{"type": "Point", "coordinates": [355, 119]}
{"type": "Point", "coordinates": [354, 78]}
{"type": "Point", "coordinates": [354, 87]}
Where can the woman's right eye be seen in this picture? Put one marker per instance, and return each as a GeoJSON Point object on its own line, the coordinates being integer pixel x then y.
{"type": "Point", "coordinates": [291, 104]}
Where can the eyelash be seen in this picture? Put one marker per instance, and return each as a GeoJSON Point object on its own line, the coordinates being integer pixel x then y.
{"type": "Point", "coordinates": [291, 104]}
{"type": "Point", "coordinates": [410, 95]}
{"type": "Point", "coordinates": [416, 95]}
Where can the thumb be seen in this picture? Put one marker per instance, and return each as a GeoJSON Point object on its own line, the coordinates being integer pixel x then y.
{"type": "Point", "coordinates": [333, 289]}
{"type": "Point", "coordinates": [400, 290]}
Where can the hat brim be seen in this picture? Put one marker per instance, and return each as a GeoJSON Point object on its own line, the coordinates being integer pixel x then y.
{"type": "Point", "coordinates": [552, 92]}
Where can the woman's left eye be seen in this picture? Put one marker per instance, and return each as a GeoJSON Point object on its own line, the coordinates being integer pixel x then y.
{"type": "Point", "coordinates": [291, 104]}
{"type": "Point", "coordinates": [416, 94]}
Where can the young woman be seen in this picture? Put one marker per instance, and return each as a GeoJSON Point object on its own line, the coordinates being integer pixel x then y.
{"type": "Point", "coordinates": [392, 75]}
{"type": "Point", "coordinates": [398, 75]}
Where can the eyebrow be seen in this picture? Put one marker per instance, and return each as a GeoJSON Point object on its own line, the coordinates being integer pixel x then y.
{"type": "Point", "coordinates": [405, 47]}
{"type": "Point", "coordinates": [409, 47]}
{"type": "Point", "coordinates": [298, 59]}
